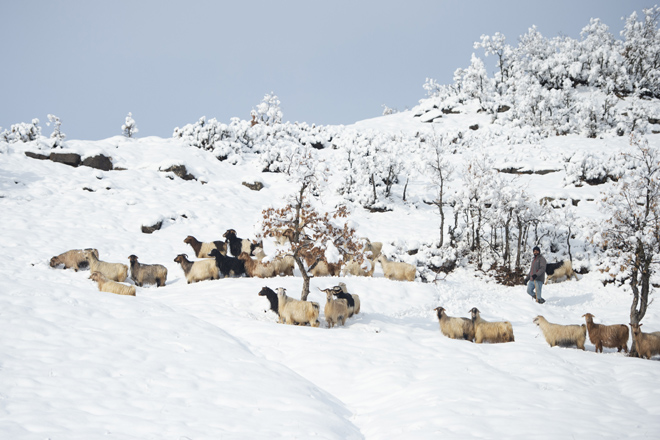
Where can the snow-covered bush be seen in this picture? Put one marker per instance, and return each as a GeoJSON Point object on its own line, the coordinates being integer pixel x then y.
{"type": "Point", "coordinates": [268, 112]}
{"type": "Point", "coordinates": [129, 128]}
{"type": "Point", "coordinates": [56, 136]}
{"type": "Point", "coordinates": [22, 132]}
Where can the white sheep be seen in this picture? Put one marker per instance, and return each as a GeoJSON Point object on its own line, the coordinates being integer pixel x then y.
{"type": "Point", "coordinates": [256, 268]}
{"type": "Point", "coordinates": [336, 310]}
{"type": "Point", "coordinates": [562, 335]}
{"type": "Point", "coordinates": [203, 249]}
{"type": "Point", "coordinates": [112, 271]}
{"type": "Point", "coordinates": [611, 336]}
{"type": "Point", "coordinates": [399, 271]}
{"type": "Point", "coordinates": [147, 273]}
{"type": "Point", "coordinates": [493, 332]}
{"type": "Point", "coordinates": [284, 264]}
{"type": "Point", "coordinates": [106, 285]}
{"type": "Point", "coordinates": [647, 344]}
{"type": "Point", "coordinates": [322, 268]}
{"type": "Point", "coordinates": [558, 270]}
{"type": "Point", "coordinates": [201, 270]}
{"type": "Point", "coordinates": [293, 311]}
{"type": "Point", "coordinates": [75, 258]}
{"type": "Point", "coordinates": [354, 267]}
{"type": "Point", "coordinates": [455, 328]}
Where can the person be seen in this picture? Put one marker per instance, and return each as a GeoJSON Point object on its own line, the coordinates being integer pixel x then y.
{"type": "Point", "coordinates": [536, 276]}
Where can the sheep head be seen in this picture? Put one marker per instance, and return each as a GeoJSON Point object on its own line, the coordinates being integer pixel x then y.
{"type": "Point", "coordinates": [189, 239]}
{"type": "Point", "coordinates": [281, 291]}
{"type": "Point", "coordinates": [97, 276]}
{"type": "Point", "coordinates": [244, 256]}
{"type": "Point", "coordinates": [265, 291]}
{"type": "Point", "coordinates": [229, 233]}
{"type": "Point", "coordinates": [588, 317]}
{"type": "Point", "coordinates": [474, 312]}
{"type": "Point", "coordinates": [181, 258]}
{"type": "Point", "coordinates": [132, 259]}
{"type": "Point", "coordinates": [537, 320]}
{"type": "Point", "coordinates": [636, 329]}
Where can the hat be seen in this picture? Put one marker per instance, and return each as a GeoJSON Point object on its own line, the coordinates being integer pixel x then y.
{"type": "Point", "coordinates": [536, 248]}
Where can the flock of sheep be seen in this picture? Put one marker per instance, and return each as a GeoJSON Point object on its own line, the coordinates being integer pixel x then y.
{"type": "Point", "coordinates": [476, 329]}
{"type": "Point", "coordinates": [214, 262]}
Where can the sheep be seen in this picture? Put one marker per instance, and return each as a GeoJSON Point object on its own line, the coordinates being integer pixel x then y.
{"type": "Point", "coordinates": [336, 310]}
{"type": "Point", "coordinates": [106, 285]}
{"type": "Point", "coordinates": [75, 258]}
{"type": "Point", "coordinates": [364, 269]}
{"type": "Point", "coordinates": [397, 271]}
{"type": "Point", "coordinates": [321, 268]}
{"type": "Point", "coordinates": [611, 336]}
{"type": "Point", "coordinates": [272, 299]}
{"type": "Point", "coordinates": [562, 335]}
{"type": "Point", "coordinates": [284, 264]}
{"type": "Point", "coordinates": [352, 299]}
{"type": "Point", "coordinates": [254, 268]}
{"type": "Point", "coordinates": [147, 273]}
{"type": "Point", "coordinates": [237, 245]}
{"type": "Point", "coordinates": [201, 270]}
{"type": "Point", "coordinates": [112, 271]}
{"type": "Point", "coordinates": [293, 311]}
{"type": "Point", "coordinates": [455, 328]}
{"type": "Point", "coordinates": [647, 344]}
{"type": "Point", "coordinates": [373, 248]}
{"type": "Point", "coordinates": [558, 270]}
{"type": "Point", "coordinates": [282, 235]}
{"type": "Point", "coordinates": [493, 332]}
{"type": "Point", "coordinates": [202, 250]}
{"type": "Point", "coordinates": [228, 266]}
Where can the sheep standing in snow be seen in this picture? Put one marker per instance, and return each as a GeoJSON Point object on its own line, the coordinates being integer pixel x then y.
{"type": "Point", "coordinates": [558, 270]}
{"type": "Point", "coordinates": [228, 266]}
{"type": "Point", "coordinates": [73, 259]}
{"type": "Point", "coordinates": [562, 335]}
{"type": "Point", "coordinates": [336, 310]}
{"type": "Point", "coordinates": [352, 299]}
{"type": "Point", "coordinates": [272, 299]}
{"type": "Point", "coordinates": [202, 249]}
{"type": "Point", "coordinates": [255, 268]}
{"type": "Point", "coordinates": [455, 328]}
{"type": "Point", "coordinates": [647, 344]}
{"type": "Point", "coordinates": [106, 285]}
{"type": "Point", "coordinates": [147, 273]}
{"type": "Point", "coordinates": [398, 271]}
{"type": "Point", "coordinates": [237, 245]}
{"type": "Point", "coordinates": [199, 270]}
{"type": "Point", "coordinates": [321, 267]}
{"type": "Point", "coordinates": [283, 264]}
{"type": "Point", "coordinates": [112, 271]}
{"type": "Point", "coordinates": [367, 267]}
{"type": "Point", "coordinates": [293, 311]}
{"type": "Point", "coordinates": [493, 332]}
{"type": "Point", "coordinates": [611, 336]}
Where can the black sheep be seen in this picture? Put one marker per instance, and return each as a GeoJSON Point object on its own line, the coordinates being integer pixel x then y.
{"type": "Point", "coordinates": [227, 265]}
{"type": "Point", "coordinates": [272, 298]}
{"type": "Point", "coordinates": [235, 244]}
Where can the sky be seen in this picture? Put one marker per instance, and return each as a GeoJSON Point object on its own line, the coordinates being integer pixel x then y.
{"type": "Point", "coordinates": [170, 63]}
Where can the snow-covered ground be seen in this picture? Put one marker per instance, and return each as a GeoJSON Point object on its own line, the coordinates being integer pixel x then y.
{"type": "Point", "coordinates": [209, 361]}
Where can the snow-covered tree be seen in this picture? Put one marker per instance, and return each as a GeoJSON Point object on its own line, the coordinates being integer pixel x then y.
{"type": "Point", "coordinates": [129, 128]}
{"type": "Point", "coordinates": [641, 50]}
{"type": "Point", "coordinates": [56, 136]}
{"type": "Point", "coordinates": [268, 112]}
{"type": "Point", "coordinates": [22, 132]}
{"type": "Point", "coordinates": [438, 150]}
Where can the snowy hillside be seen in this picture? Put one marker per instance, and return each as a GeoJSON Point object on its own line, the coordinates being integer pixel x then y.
{"type": "Point", "coordinates": [209, 360]}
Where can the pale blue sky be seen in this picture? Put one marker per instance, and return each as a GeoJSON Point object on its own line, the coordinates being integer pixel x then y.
{"type": "Point", "coordinates": [169, 63]}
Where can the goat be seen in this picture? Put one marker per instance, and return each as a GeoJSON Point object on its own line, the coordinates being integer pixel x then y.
{"type": "Point", "coordinates": [199, 270]}
{"type": "Point", "coordinates": [202, 249]}
{"type": "Point", "coordinates": [336, 310]}
{"type": "Point", "coordinates": [611, 336]}
{"type": "Point", "coordinates": [647, 344]}
{"type": "Point", "coordinates": [272, 299]}
{"type": "Point", "coordinates": [106, 285]}
{"type": "Point", "coordinates": [562, 335]}
{"type": "Point", "coordinates": [237, 245]}
{"type": "Point", "coordinates": [558, 270]}
{"type": "Point", "coordinates": [254, 268]}
{"type": "Point", "coordinates": [283, 264]}
{"type": "Point", "coordinates": [493, 332]}
{"type": "Point", "coordinates": [228, 266]}
{"type": "Point", "coordinates": [147, 273]}
{"type": "Point", "coordinates": [73, 259]}
{"type": "Point", "coordinates": [455, 328]}
{"type": "Point", "coordinates": [397, 271]}
{"type": "Point", "coordinates": [352, 299]}
{"type": "Point", "coordinates": [293, 311]}
{"type": "Point", "coordinates": [112, 271]}
{"type": "Point", "coordinates": [321, 268]}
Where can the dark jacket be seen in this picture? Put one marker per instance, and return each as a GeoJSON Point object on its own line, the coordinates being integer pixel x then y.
{"type": "Point", "coordinates": [538, 268]}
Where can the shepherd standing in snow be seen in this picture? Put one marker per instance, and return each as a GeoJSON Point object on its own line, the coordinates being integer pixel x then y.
{"type": "Point", "coordinates": [536, 275]}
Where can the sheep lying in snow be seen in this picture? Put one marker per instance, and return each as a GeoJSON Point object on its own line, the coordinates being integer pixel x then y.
{"type": "Point", "coordinates": [558, 270]}
{"type": "Point", "coordinates": [455, 328]}
{"type": "Point", "coordinates": [562, 335]}
{"type": "Point", "coordinates": [106, 285]}
{"type": "Point", "coordinates": [647, 344]}
{"type": "Point", "coordinates": [199, 270]}
{"type": "Point", "coordinates": [272, 299]}
{"type": "Point", "coordinates": [228, 266]}
{"type": "Point", "coordinates": [73, 259]}
{"type": "Point", "coordinates": [147, 273]}
{"type": "Point", "coordinates": [611, 336]}
{"type": "Point", "coordinates": [293, 311]}
{"type": "Point", "coordinates": [397, 271]}
{"type": "Point", "coordinates": [336, 310]}
{"type": "Point", "coordinates": [237, 245]}
{"type": "Point", "coordinates": [255, 268]}
{"type": "Point", "coordinates": [202, 249]}
{"type": "Point", "coordinates": [112, 271]}
{"type": "Point", "coordinates": [493, 332]}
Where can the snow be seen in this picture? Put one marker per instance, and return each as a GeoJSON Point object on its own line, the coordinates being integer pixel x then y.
{"type": "Point", "coordinates": [209, 360]}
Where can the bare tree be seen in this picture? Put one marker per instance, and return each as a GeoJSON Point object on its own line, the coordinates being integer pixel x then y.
{"type": "Point", "coordinates": [441, 172]}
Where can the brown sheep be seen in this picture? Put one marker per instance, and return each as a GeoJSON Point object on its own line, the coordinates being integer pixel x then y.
{"type": "Point", "coordinates": [611, 336]}
{"type": "Point", "coordinates": [647, 344]}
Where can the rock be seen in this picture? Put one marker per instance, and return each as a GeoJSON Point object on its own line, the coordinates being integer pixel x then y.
{"type": "Point", "coordinates": [71, 159]}
{"type": "Point", "coordinates": [36, 155]}
{"type": "Point", "coordinates": [152, 228]}
{"type": "Point", "coordinates": [180, 171]}
{"type": "Point", "coordinates": [256, 186]}
{"type": "Point", "coordinates": [100, 162]}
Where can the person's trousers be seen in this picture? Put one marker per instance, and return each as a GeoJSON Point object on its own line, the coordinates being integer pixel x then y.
{"type": "Point", "coordinates": [530, 289]}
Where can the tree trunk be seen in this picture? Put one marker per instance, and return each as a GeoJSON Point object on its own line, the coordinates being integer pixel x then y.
{"type": "Point", "coordinates": [305, 287]}
{"type": "Point", "coordinates": [641, 274]}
